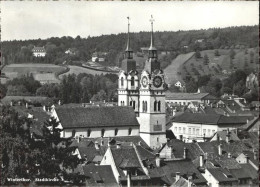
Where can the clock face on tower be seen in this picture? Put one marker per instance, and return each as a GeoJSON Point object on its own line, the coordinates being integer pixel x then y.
{"type": "Point", "coordinates": [144, 81]}
{"type": "Point", "coordinates": [157, 81]}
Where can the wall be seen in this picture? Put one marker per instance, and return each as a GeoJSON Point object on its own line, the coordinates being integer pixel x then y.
{"type": "Point", "coordinates": [96, 132]}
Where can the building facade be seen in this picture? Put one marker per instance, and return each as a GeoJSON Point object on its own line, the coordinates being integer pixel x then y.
{"type": "Point", "coordinates": [146, 96]}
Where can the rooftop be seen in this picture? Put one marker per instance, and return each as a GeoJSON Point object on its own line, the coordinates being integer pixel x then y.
{"type": "Point", "coordinates": [108, 116]}
{"type": "Point", "coordinates": [185, 96]}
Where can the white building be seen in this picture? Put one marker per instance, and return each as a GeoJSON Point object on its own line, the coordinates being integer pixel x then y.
{"type": "Point", "coordinates": [197, 126]}
{"type": "Point", "coordinates": [39, 51]}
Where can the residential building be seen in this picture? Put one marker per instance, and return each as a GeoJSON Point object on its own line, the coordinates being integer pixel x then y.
{"type": "Point", "coordinates": [39, 51]}
{"type": "Point", "coordinates": [187, 98]}
{"type": "Point", "coordinates": [197, 126]}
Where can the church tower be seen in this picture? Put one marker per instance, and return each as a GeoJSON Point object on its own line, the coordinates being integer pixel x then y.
{"type": "Point", "coordinates": [152, 116]}
{"type": "Point", "coordinates": [128, 93]}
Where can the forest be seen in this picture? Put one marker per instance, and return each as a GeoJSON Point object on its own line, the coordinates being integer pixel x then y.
{"type": "Point", "coordinates": [19, 51]}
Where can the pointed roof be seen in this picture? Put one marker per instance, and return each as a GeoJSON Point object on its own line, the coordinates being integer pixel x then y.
{"type": "Point", "coordinates": [128, 48]}
{"type": "Point", "coordinates": [151, 48]}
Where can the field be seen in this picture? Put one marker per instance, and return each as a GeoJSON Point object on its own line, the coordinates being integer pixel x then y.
{"type": "Point", "coordinates": [171, 72]}
{"type": "Point", "coordinates": [220, 66]}
{"type": "Point", "coordinates": [15, 70]}
{"type": "Point", "coordinates": [77, 70]}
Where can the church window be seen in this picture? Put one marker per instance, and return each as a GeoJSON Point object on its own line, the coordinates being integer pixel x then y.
{"type": "Point", "coordinates": [155, 106]}
{"type": "Point", "coordinates": [122, 81]}
{"type": "Point", "coordinates": [116, 132]}
{"type": "Point", "coordinates": [123, 103]}
{"type": "Point", "coordinates": [134, 104]}
{"type": "Point", "coordinates": [145, 106]}
{"type": "Point", "coordinates": [89, 132]}
{"type": "Point", "coordinates": [102, 132]}
{"type": "Point", "coordinates": [129, 131]}
{"type": "Point", "coordinates": [132, 81]}
{"type": "Point", "coordinates": [159, 106]}
{"type": "Point", "coordinates": [130, 103]}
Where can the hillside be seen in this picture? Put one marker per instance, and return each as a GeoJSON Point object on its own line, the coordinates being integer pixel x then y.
{"type": "Point", "coordinates": [171, 72]}
{"type": "Point", "coordinates": [180, 42]}
{"type": "Point", "coordinates": [220, 66]}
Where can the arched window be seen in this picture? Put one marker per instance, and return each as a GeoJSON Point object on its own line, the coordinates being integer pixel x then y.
{"type": "Point", "coordinates": [89, 132]}
{"type": "Point", "coordinates": [132, 81]}
{"type": "Point", "coordinates": [129, 131]}
{"type": "Point", "coordinates": [143, 107]}
{"type": "Point", "coordinates": [159, 106]}
{"type": "Point", "coordinates": [116, 131]}
{"type": "Point", "coordinates": [123, 103]}
{"type": "Point", "coordinates": [130, 103]}
{"type": "Point", "coordinates": [155, 106]}
{"type": "Point", "coordinates": [102, 132]}
{"type": "Point", "coordinates": [122, 81]}
{"type": "Point", "coordinates": [134, 104]}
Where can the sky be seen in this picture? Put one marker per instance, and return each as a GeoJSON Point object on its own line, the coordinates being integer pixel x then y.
{"type": "Point", "coordinates": [22, 20]}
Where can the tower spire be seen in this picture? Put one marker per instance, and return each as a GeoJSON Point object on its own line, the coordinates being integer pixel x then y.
{"type": "Point", "coordinates": [128, 51]}
{"type": "Point", "coordinates": [128, 37]}
{"type": "Point", "coordinates": [151, 20]}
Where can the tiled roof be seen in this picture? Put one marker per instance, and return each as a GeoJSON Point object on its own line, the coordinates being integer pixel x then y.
{"type": "Point", "coordinates": [218, 174]}
{"type": "Point", "coordinates": [186, 168]}
{"type": "Point", "coordinates": [250, 170]}
{"type": "Point", "coordinates": [96, 116]}
{"type": "Point", "coordinates": [210, 119]}
{"type": "Point", "coordinates": [125, 156]}
{"type": "Point", "coordinates": [185, 96]}
{"type": "Point", "coordinates": [36, 49]}
{"type": "Point", "coordinates": [223, 134]}
{"type": "Point", "coordinates": [240, 173]}
{"type": "Point", "coordinates": [8, 99]}
{"type": "Point", "coordinates": [90, 153]}
{"type": "Point", "coordinates": [99, 175]}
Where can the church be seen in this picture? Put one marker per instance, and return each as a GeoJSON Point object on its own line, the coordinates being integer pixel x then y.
{"type": "Point", "coordinates": [145, 93]}
{"type": "Point", "coordinates": [141, 105]}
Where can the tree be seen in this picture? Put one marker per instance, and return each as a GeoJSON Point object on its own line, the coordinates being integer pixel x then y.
{"type": "Point", "coordinates": [239, 88]}
{"type": "Point", "coordinates": [216, 52]}
{"type": "Point", "coordinates": [232, 53]}
{"type": "Point", "coordinates": [197, 54]}
{"type": "Point", "coordinates": [100, 96]}
{"type": "Point", "coordinates": [206, 59]}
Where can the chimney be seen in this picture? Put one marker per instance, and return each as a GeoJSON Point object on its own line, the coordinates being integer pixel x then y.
{"type": "Point", "coordinates": [228, 138]}
{"type": "Point", "coordinates": [185, 153]}
{"type": "Point", "coordinates": [181, 137]}
{"type": "Point", "coordinates": [178, 176]}
{"type": "Point", "coordinates": [229, 155]}
{"type": "Point", "coordinates": [96, 145]}
{"type": "Point", "coordinates": [158, 160]}
{"type": "Point", "coordinates": [189, 181]}
{"type": "Point", "coordinates": [128, 178]}
{"type": "Point", "coordinates": [247, 158]}
{"type": "Point", "coordinates": [59, 102]}
{"type": "Point", "coordinates": [201, 160]}
{"type": "Point", "coordinates": [26, 105]}
{"type": "Point", "coordinates": [118, 145]}
{"type": "Point", "coordinates": [44, 108]}
{"type": "Point", "coordinates": [220, 149]}
{"type": "Point", "coordinates": [255, 155]}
